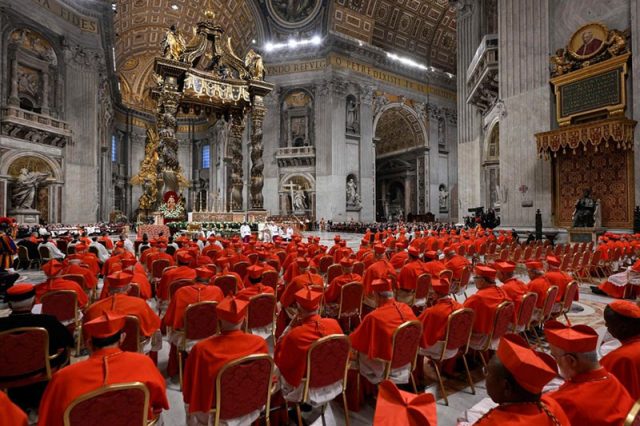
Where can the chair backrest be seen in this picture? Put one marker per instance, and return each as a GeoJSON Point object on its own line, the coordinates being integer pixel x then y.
{"type": "Point", "coordinates": [134, 290]}
{"type": "Point", "coordinates": [333, 272]}
{"type": "Point", "coordinates": [358, 268]}
{"type": "Point", "coordinates": [527, 306]}
{"type": "Point", "coordinates": [595, 259]}
{"type": "Point", "coordinates": [351, 295]}
{"type": "Point", "coordinates": [464, 278]}
{"type": "Point", "coordinates": [325, 262]}
{"type": "Point", "coordinates": [24, 352]}
{"type": "Point", "coordinates": [116, 404]}
{"type": "Point", "coordinates": [538, 253]}
{"type": "Point", "coordinates": [559, 250]}
{"type": "Point", "coordinates": [503, 317]}
{"type": "Point", "coordinates": [227, 283]}
{"type": "Point", "coordinates": [62, 244]}
{"type": "Point", "coordinates": [569, 294]}
{"type": "Point", "coordinates": [528, 251]}
{"type": "Point", "coordinates": [423, 285]}
{"type": "Point", "coordinates": [253, 258]}
{"type": "Point", "coordinates": [62, 304]}
{"type": "Point", "coordinates": [77, 278]}
{"type": "Point", "coordinates": [158, 266]}
{"type": "Point", "coordinates": [200, 320]}
{"type": "Point", "coordinates": [23, 254]}
{"type": "Point", "coordinates": [261, 311]}
{"type": "Point", "coordinates": [243, 386]}
{"type": "Point", "coordinates": [274, 263]}
{"type": "Point", "coordinates": [175, 285]}
{"type": "Point", "coordinates": [44, 252]}
{"type": "Point", "coordinates": [471, 251]}
{"type": "Point", "coordinates": [405, 344]}
{"type": "Point", "coordinates": [131, 341]}
{"type": "Point", "coordinates": [282, 255]}
{"type": "Point", "coordinates": [270, 278]}
{"type": "Point", "coordinates": [566, 261]}
{"type": "Point", "coordinates": [446, 273]}
{"type": "Point", "coordinates": [552, 293]}
{"type": "Point", "coordinates": [517, 254]}
{"type": "Point", "coordinates": [240, 268]}
{"type": "Point", "coordinates": [459, 329]}
{"type": "Point", "coordinates": [482, 250]}
{"type": "Point", "coordinates": [327, 362]}
{"type": "Point", "coordinates": [633, 418]}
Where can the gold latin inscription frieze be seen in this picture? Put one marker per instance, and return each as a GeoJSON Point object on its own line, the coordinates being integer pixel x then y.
{"type": "Point", "coordinates": [343, 62]}
{"type": "Point", "coordinates": [82, 22]}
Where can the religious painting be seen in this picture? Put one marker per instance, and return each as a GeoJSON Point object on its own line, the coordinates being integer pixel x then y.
{"type": "Point", "coordinates": [297, 99]}
{"type": "Point", "coordinates": [293, 11]}
{"type": "Point", "coordinates": [28, 82]}
{"type": "Point", "coordinates": [34, 44]}
{"type": "Point", "coordinates": [588, 41]}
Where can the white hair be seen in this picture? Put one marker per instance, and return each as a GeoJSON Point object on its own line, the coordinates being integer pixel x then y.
{"type": "Point", "coordinates": [22, 305]}
{"type": "Point", "coordinates": [229, 326]}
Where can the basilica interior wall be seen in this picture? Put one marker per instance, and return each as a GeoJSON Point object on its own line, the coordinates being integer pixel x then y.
{"type": "Point", "coordinates": [523, 103]}
{"type": "Point", "coordinates": [63, 89]}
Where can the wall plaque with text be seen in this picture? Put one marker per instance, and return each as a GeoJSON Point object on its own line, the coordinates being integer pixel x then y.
{"type": "Point", "coordinates": [590, 93]}
{"type": "Point", "coordinates": [595, 89]}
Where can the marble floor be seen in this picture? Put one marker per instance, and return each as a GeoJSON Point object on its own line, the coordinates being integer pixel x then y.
{"type": "Point", "coordinates": [460, 397]}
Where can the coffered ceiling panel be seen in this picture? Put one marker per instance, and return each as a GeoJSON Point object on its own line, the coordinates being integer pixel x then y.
{"type": "Point", "coordinates": [422, 29]}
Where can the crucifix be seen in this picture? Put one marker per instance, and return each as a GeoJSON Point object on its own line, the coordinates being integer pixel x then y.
{"type": "Point", "coordinates": [290, 186]}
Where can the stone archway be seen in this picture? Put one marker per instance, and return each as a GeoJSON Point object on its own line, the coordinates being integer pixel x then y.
{"type": "Point", "coordinates": [401, 143]}
{"type": "Point", "coordinates": [46, 198]}
{"type": "Point", "coordinates": [297, 193]}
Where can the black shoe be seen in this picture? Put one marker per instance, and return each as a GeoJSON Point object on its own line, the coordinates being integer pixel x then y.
{"type": "Point", "coordinates": [596, 290]}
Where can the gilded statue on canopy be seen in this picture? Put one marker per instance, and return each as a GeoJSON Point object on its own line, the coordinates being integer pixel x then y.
{"type": "Point", "coordinates": [173, 44]}
{"type": "Point", "coordinates": [147, 177]}
{"type": "Point", "coordinates": [254, 63]}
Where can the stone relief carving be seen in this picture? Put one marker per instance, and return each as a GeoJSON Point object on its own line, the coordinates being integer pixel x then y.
{"type": "Point", "coordinates": [81, 57]}
{"type": "Point", "coordinates": [379, 102]}
{"type": "Point", "coordinates": [34, 43]}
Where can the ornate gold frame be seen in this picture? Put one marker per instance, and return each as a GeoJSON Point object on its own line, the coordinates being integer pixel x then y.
{"type": "Point", "coordinates": [590, 71]}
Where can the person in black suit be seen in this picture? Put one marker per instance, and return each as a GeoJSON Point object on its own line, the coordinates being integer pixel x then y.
{"type": "Point", "coordinates": [21, 298]}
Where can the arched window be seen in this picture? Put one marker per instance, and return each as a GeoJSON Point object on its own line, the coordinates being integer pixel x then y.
{"type": "Point", "coordinates": [204, 162]}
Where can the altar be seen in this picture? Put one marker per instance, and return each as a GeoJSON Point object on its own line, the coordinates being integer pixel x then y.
{"type": "Point", "coordinates": [204, 78]}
